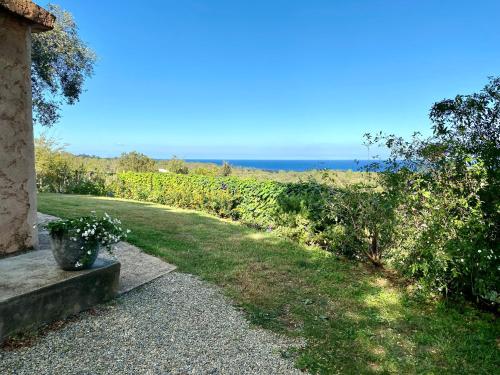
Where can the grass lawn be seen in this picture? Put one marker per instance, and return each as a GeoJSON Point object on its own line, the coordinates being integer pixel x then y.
{"type": "Point", "coordinates": [355, 319]}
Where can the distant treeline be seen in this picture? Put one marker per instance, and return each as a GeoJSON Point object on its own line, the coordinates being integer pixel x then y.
{"type": "Point", "coordinates": [61, 171]}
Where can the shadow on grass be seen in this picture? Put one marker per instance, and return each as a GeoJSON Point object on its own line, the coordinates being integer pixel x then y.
{"type": "Point", "coordinates": [355, 320]}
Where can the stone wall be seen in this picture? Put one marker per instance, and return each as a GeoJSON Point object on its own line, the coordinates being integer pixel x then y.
{"type": "Point", "coordinates": [17, 169]}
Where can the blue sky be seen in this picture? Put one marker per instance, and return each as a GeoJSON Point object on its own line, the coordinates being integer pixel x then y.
{"type": "Point", "coordinates": [271, 79]}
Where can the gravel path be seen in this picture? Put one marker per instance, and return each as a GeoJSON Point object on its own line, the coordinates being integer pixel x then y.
{"type": "Point", "coordinates": [175, 325]}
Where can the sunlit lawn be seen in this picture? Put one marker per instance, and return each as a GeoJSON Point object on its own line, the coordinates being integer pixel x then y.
{"type": "Point", "coordinates": [354, 319]}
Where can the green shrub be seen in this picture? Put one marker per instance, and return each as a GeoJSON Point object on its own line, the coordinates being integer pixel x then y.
{"type": "Point", "coordinates": [445, 237]}
{"type": "Point", "coordinates": [205, 171]}
{"type": "Point", "coordinates": [61, 172]}
{"type": "Point", "coordinates": [177, 166]}
{"type": "Point", "coordinates": [225, 169]}
{"type": "Point", "coordinates": [365, 222]}
{"type": "Point", "coordinates": [290, 209]}
{"type": "Point", "coordinates": [447, 188]}
{"type": "Point", "coordinates": [135, 162]}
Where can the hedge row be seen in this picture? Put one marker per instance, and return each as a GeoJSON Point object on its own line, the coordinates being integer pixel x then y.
{"type": "Point", "coordinates": [291, 208]}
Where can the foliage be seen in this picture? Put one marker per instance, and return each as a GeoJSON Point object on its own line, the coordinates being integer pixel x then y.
{"type": "Point", "coordinates": [467, 129]}
{"type": "Point", "coordinates": [135, 162]}
{"type": "Point", "coordinates": [212, 194]}
{"type": "Point", "coordinates": [177, 166]}
{"type": "Point", "coordinates": [61, 62]}
{"type": "Point", "coordinates": [448, 202]}
{"type": "Point", "coordinates": [430, 210]}
{"type": "Point", "coordinates": [110, 166]}
{"type": "Point", "coordinates": [290, 209]}
{"type": "Point", "coordinates": [226, 169]}
{"type": "Point", "coordinates": [364, 220]}
{"type": "Point", "coordinates": [346, 221]}
{"type": "Point", "coordinates": [335, 178]}
{"type": "Point", "coordinates": [205, 171]}
{"type": "Point", "coordinates": [351, 318]}
{"type": "Point", "coordinates": [61, 172]}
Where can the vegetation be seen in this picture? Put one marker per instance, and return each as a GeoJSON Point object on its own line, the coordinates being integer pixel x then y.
{"type": "Point", "coordinates": [355, 319]}
{"type": "Point", "coordinates": [431, 210]}
{"type": "Point", "coordinates": [363, 222]}
{"type": "Point", "coordinates": [62, 172]}
{"type": "Point", "coordinates": [337, 178]}
{"type": "Point", "coordinates": [226, 169]}
{"type": "Point", "coordinates": [135, 162]}
{"type": "Point", "coordinates": [176, 165]}
{"type": "Point", "coordinates": [92, 230]}
{"type": "Point", "coordinates": [447, 192]}
{"type": "Point", "coordinates": [61, 62]}
{"type": "Point", "coordinates": [89, 232]}
{"type": "Point", "coordinates": [88, 167]}
{"type": "Point", "coordinates": [295, 210]}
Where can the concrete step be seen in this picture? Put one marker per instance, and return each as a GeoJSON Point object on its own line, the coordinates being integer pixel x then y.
{"type": "Point", "coordinates": [34, 291]}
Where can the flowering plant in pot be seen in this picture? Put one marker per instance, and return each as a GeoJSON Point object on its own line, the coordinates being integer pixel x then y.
{"type": "Point", "coordinates": [76, 242]}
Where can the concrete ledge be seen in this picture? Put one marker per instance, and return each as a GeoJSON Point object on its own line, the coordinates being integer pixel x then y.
{"type": "Point", "coordinates": [137, 267]}
{"type": "Point", "coordinates": [33, 291]}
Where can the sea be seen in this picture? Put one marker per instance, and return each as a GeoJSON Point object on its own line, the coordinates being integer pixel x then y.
{"type": "Point", "coordinates": [292, 165]}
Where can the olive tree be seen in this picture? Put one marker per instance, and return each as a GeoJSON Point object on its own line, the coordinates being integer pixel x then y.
{"type": "Point", "coordinates": [61, 62]}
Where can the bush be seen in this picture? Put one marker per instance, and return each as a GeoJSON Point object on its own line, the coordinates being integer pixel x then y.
{"type": "Point", "coordinates": [447, 189]}
{"type": "Point", "coordinates": [135, 162]}
{"type": "Point", "coordinates": [177, 166]}
{"type": "Point", "coordinates": [205, 171]}
{"type": "Point", "coordinates": [58, 171]}
{"type": "Point", "coordinates": [225, 169]}
{"type": "Point", "coordinates": [291, 209]}
{"type": "Point", "coordinates": [444, 234]}
{"type": "Point", "coordinates": [365, 222]}
{"type": "Point", "coordinates": [356, 221]}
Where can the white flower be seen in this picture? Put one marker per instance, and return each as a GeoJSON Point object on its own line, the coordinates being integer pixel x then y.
{"type": "Point", "coordinates": [89, 252]}
{"type": "Point", "coordinates": [78, 230]}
